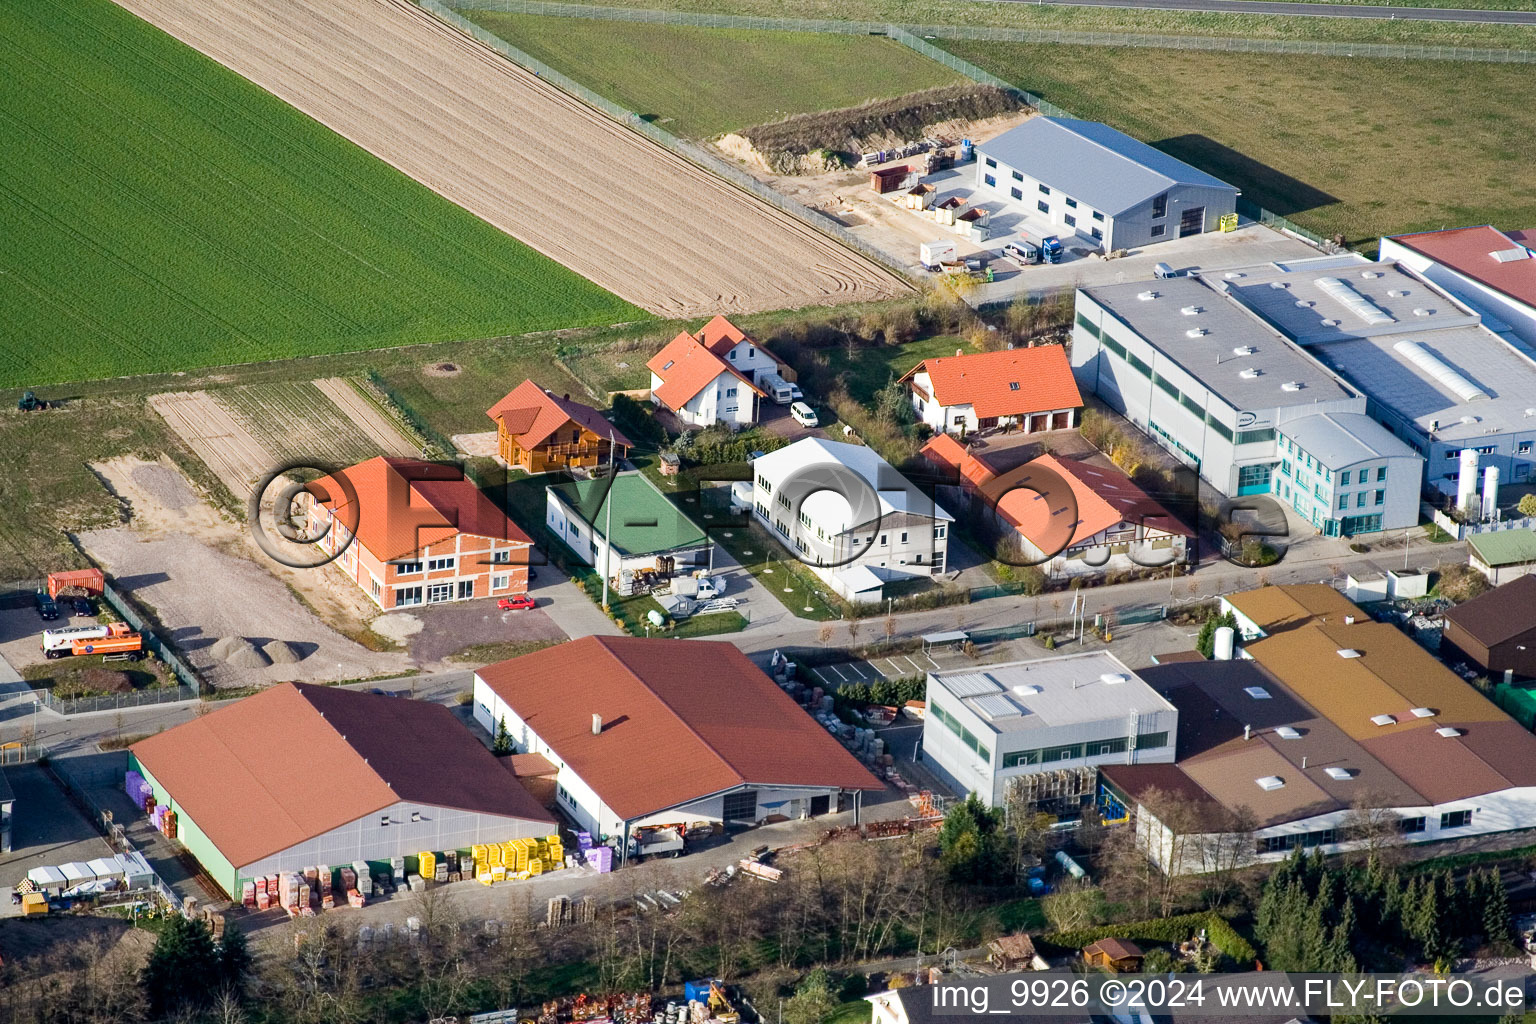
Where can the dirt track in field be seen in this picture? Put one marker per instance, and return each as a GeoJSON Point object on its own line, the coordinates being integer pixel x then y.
{"type": "Point", "coordinates": [369, 420]}
{"type": "Point", "coordinates": [234, 455]}
{"type": "Point", "coordinates": [524, 156]}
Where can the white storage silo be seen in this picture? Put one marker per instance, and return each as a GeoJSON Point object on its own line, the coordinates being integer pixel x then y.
{"type": "Point", "coordinates": [1466, 482]}
{"type": "Point", "coordinates": [1490, 491]}
{"type": "Point", "coordinates": [1223, 643]}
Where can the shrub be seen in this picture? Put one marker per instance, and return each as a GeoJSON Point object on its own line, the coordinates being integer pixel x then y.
{"type": "Point", "coordinates": [1171, 930]}
{"type": "Point", "coordinates": [636, 421]}
{"type": "Point", "coordinates": [1460, 582]}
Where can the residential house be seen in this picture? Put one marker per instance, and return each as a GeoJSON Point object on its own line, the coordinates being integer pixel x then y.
{"type": "Point", "coordinates": [1086, 178]}
{"type": "Point", "coordinates": [410, 532]}
{"type": "Point", "coordinates": [649, 534]}
{"type": "Point", "coordinates": [714, 376]}
{"type": "Point", "coordinates": [1028, 389]}
{"type": "Point", "coordinates": [1495, 632]}
{"type": "Point", "coordinates": [538, 431]}
{"type": "Point", "coordinates": [719, 741]}
{"type": "Point", "coordinates": [849, 515]}
{"type": "Point", "coordinates": [1072, 515]}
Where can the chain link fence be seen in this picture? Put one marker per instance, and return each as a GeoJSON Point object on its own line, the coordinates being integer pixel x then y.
{"type": "Point", "coordinates": [189, 686]}
{"type": "Point", "coordinates": [1230, 44]}
{"type": "Point", "coordinates": [692, 153]}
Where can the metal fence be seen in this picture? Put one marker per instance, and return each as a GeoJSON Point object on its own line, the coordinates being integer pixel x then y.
{"type": "Point", "coordinates": [21, 753]}
{"type": "Point", "coordinates": [1226, 44]}
{"type": "Point", "coordinates": [693, 154]}
{"type": "Point", "coordinates": [189, 687]}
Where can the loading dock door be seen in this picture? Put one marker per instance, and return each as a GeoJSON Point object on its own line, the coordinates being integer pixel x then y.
{"type": "Point", "coordinates": [820, 805]}
{"type": "Point", "coordinates": [1192, 222]}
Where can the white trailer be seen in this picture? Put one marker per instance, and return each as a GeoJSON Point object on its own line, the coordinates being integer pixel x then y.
{"type": "Point", "coordinates": [61, 639]}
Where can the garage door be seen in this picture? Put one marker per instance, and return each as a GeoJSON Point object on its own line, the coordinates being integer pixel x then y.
{"type": "Point", "coordinates": [740, 806]}
{"type": "Point", "coordinates": [1192, 222]}
{"type": "Point", "coordinates": [820, 805]}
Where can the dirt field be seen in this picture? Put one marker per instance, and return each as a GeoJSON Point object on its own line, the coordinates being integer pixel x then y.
{"type": "Point", "coordinates": [378, 428]}
{"type": "Point", "coordinates": [550, 171]}
{"type": "Point", "coordinates": [206, 580]}
{"type": "Point", "coordinates": [234, 455]}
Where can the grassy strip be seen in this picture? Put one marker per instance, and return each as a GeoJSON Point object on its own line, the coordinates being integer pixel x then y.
{"type": "Point", "coordinates": [1289, 133]}
{"type": "Point", "coordinates": [1112, 19]}
{"type": "Point", "coordinates": [164, 213]}
{"type": "Point", "coordinates": [702, 82]}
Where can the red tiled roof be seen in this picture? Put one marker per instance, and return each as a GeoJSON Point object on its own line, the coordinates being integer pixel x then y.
{"type": "Point", "coordinates": [1469, 251]}
{"type": "Point", "coordinates": [701, 716]}
{"type": "Point", "coordinates": [1104, 498]}
{"type": "Point", "coordinates": [270, 771]}
{"type": "Point", "coordinates": [531, 415]}
{"type": "Point", "coordinates": [686, 368]}
{"type": "Point", "coordinates": [1013, 382]}
{"type": "Point", "coordinates": [945, 452]}
{"type": "Point", "coordinates": [404, 505]}
{"type": "Point", "coordinates": [720, 336]}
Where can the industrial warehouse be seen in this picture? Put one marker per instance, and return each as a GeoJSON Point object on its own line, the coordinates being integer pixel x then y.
{"type": "Point", "coordinates": [722, 743]}
{"type": "Point", "coordinates": [400, 777]}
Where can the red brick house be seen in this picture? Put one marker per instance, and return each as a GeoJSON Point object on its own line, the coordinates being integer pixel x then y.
{"type": "Point", "coordinates": [412, 532]}
{"type": "Point", "coordinates": [539, 432]}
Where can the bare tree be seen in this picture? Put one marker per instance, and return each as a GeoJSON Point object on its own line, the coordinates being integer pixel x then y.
{"type": "Point", "coordinates": [1075, 904]}
{"type": "Point", "coordinates": [1373, 829]}
{"type": "Point", "coordinates": [853, 626]}
{"type": "Point", "coordinates": [824, 634]}
{"type": "Point", "coordinates": [1223, 844]}
{"type": "Point", "coordinates": [889, 628]}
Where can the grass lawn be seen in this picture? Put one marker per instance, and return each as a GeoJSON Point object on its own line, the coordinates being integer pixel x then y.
{"type": "Point", "coordinates": [162, 213]}
{"type": "Point", "coordinates": [1109, 19]}
{"type": "Point", "coordinates": [874, 368]}
{"type": "Point", "coordinates": [1310, 138]}
{"type": "Point", "coordinates": [702, 82]}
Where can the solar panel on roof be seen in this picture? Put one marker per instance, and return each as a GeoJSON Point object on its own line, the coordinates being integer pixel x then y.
{"type": "Point", "coordinates": [997, 705]}
{"type": "Point", "coordinates": [971, 684]}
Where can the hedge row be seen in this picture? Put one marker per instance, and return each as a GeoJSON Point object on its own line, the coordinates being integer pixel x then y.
{"type": "Point", "coordinates": [1171, 930]}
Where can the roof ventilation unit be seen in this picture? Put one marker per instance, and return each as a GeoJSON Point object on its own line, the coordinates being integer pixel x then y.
{"type": "Point", "coordinates": [1468, 420]}
{"type": "Point", "coordinates": [1291, 385]}
{"type": "Point", "coordinates": [1243, 350]}
{"type": "Point", "coordinates": [1270, 783]}
{"type": "Point", "coordinates": [1423, 712]}
{"type": "Point", "coordinates": [1331, 322]}
{"type": "Point", "coordinates": [1250, 373]}
{"type": "Point", "coordinates": [1285, 732]}
{"type": "Point", "coordinates": [1233, 275]}
{"type": "Point", "coordinates": [1447, 732]}
{"type": "Point", "coordinates": [1305, 303]}
{"type": "Point", "coordinates": [1256, 692]}
{"type": "Point", "coordinates": [1026, 690]}
{"type": "Point", "coordinates": [1348, 652]}
{"type": "Point", "coordinates": [1146, 296]}
{"type": "Point", "coordinates": [1421, 311]}
{"type": "Point", "coordinates": [1370, 275]}
{"type": "Point", "coordinates": [1280, 285]}
{"type": "Point", "coordinates": [1510, 255]}
{"type": "Point", "coordinates": [1196, 332]}
{"type": "Point", "coordinates": [1531, 411]}
{"type": "Point", "coordinates": [1339, 773]}
{"type": "Point", "coordinates": [1383, 720]}
{"type": "Point", "coordinates": [1397, 293]}
{"type": "Point", "coordinates": [1439, 369]}
{"type": "Point", "coordinates": [1114, 678]}
{"type": "Point", "coordinates": [1192, 310]}
{"type": "Point", "coordinates": [1356, 303]}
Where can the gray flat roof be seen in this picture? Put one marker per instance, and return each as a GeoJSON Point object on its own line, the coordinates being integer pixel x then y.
{"type": "Point", "coordinates": [1401, 340]}
{"type": "Point", "coordinates": [1340, 439]}
{"type": "Point", "coordinates": [1211, 358]}
{"type": "Point", "coordinates": [1093, 163]}
{"type": "Point", "coordinates": [1074, 688]}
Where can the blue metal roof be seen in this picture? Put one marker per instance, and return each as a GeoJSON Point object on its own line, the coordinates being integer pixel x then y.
{"type": "Point", "coordinates": [1093, 163]}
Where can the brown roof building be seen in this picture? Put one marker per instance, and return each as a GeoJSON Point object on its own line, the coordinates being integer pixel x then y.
{"type": "Point", "coordinates": [539, 431]}
{"type": "Point", "coordinates": [655, 731]}
{"type": "Point", "coordinates": [299, 775]}
{"type": "Point", "coordinates": [1495, 632]}
{"type": "Point", "coordinates": [1331, 712]}
{"type": "Point", "coordinates": [1275, 609]}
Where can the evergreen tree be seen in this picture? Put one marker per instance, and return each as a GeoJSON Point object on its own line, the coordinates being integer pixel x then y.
{"type": "Point", "coordinates": [1496, 923]}
{"type": "Point", "coordinates": [183, 970]}
{"type": "Point", "coordinates": [971, 841]}
{"type": "Point", "coordinates": [234, 961]}
{"type": "Point", "coordinates": [501, 742]}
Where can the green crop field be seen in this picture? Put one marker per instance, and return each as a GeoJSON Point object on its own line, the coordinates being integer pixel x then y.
{"type": "Point", "coordinates": [1355, 147]}
{"type": "Point", "coordinates": [161, 213]}
{"type": "Point", "coordinates": [702, 82]}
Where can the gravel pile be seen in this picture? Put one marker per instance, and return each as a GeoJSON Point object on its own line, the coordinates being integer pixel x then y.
{"type": "Point", "coordinates": [281, 652]}
{"type": "Point", "coordinates": [240, 652]}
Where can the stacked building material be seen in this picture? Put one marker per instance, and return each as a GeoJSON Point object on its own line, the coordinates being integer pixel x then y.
{"type": "Point", "coordinates": [600, 858]}
{"type": "Point", "coordinates": [248, 895]}
{"type": "Point", "coordinates": [139, 791]}
{"type": "Point", "coordinates": [327, 887]}
{"type": "Point", "coordinates": [426, 864]}
{"type": "Point", "coordinates": [168, 825]}
{"type": "Point", "coordinates": [397, 865]}
{"type": "Point", "coordinates": [554, 851]}
{"type": "Point", "coordinates": [363, 876]}
{"type": "Point", "coordinates": [355, 898]}
{"type": "Point", "coordinates": [348, 878]}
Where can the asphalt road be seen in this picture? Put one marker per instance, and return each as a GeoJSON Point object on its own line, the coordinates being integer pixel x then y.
{"type": "Point", "coordinates": [1309, 10]}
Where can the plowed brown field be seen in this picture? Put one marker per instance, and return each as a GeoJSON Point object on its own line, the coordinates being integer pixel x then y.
{"type": "Point", "coordinates": [524, 156]}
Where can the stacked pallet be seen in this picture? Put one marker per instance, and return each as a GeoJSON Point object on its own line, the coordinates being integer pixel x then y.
{"type": "Point", "coordinates": [364, 878]}
{"type": "Point", "coordinates": [327, 892]}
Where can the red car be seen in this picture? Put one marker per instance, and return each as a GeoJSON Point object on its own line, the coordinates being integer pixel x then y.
{"type": "Point", "coordinates": [522, 602]}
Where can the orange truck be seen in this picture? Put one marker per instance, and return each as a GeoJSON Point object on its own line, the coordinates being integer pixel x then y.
{"type": "Point", "coordinates": [117, 638]}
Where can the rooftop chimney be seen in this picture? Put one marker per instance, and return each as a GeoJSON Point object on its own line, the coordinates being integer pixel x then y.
{"type": "Point", "coordinates": [1349, 620]}
{"type": "Point", "coordinates": [1303, 764]}
{"type": "Point", "coordinates": [1247, 732]}
{"type": "Point", "coordinates": [597, 725]}
{"type": "Point", "coordinates": [567, 396]}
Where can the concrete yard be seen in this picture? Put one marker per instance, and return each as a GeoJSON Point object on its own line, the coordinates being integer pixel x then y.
{"type": "Point", "coordinates": [47, 830]}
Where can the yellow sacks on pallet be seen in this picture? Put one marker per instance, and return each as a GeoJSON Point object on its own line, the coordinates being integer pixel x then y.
{"type": "Point", "coordinates": [478, 851]}
{"type": "Point", "coordinates": [486, 877]}
{"type": "Point", "coordinates": [521, 851]}
{"type": "Point", "coordinates": [535, 866]}
{"type": "Point", "coordinates": [499, 873]}
{"type": "Point", "coordinates": [426, 863]}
